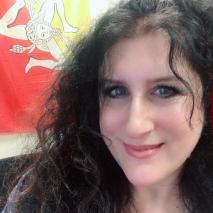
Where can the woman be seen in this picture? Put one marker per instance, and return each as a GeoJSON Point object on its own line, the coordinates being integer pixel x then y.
{"type": "Point", "coordinates": [127, 127]}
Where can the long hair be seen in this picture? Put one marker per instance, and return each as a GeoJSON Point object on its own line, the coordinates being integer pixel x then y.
{"type": "Point", "coordinates": [72, 169]}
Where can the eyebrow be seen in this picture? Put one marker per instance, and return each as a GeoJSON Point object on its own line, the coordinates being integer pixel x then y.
{"type": "Point", "coordinates": [155, 80]}
{"type": "Point", "coordinates": [111, 81]}
{"type": "Point", "coordinates": [166, 78]}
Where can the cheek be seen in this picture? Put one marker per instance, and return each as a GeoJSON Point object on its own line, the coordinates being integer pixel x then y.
{"type": "Point", "coordinates": [177, 130]}
{"type": "Point", "coordinates": [110, 120]}
{"type": "Point", "coordinates": [172, 121]}
{"type": "Point", "coordinates": [174, 117]}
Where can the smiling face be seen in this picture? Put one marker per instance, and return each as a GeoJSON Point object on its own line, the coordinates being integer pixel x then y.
{"type": "Point", "coordinates": [145, 111]}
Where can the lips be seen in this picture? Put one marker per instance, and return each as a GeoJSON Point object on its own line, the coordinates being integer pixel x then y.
{"type": "Point", "coordinates": [142, 151]}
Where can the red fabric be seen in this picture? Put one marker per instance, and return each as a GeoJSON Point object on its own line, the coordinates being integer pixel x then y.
{"type": "Point", "coordinates": [21, 94]}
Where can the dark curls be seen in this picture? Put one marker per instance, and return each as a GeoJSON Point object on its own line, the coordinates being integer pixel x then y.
{"type": "Point", "coordinates": [72, 170]}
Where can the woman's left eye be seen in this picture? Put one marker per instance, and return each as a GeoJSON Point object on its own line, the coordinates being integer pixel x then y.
{"type": "Point", "coordinates": [164, 91]}
{"type": "Point", "coordinates": [115, 91]}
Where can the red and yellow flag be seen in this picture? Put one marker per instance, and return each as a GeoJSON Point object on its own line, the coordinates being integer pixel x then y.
{"type": "Point", "coordinates": [35, 36]}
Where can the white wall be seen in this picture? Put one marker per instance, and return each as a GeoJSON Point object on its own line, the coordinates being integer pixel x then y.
{"type": "Point", "coordinates": [16, 144]}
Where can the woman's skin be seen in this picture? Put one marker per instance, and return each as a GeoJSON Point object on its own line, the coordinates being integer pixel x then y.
{"type": "Point", "coordinates": [144, 104]}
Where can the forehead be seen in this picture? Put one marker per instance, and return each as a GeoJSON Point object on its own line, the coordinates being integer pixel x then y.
{"type": "Point", "coordinates": [145, 50]}
{"type": "Point", "coordinates": [146, 55]}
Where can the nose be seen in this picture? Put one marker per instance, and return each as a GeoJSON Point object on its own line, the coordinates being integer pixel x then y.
{"type": "Point", "coordinates": [139, 120]}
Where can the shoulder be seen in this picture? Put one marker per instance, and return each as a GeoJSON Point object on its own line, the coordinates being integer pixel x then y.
{"type": "Point", "coordinates": [11, 205]}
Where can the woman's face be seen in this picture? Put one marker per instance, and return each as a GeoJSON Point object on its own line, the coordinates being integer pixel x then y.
{"type": "Point", "coordinates": [145, 111]}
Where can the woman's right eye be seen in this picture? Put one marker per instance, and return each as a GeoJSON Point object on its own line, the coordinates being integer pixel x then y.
{"type": "Point", "coordinates": [114, 91]}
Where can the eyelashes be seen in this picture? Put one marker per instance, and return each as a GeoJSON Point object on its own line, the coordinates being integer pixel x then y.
{"type": "Point", "coordinates": [165, 91]}
{"type": "Point", "coordinates": [114, 91]}
{"type": "Point", "coordinates": [161, 91]}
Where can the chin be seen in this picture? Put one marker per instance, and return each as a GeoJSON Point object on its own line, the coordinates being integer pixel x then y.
{"type": "Point", "coordinates": [142, 180]}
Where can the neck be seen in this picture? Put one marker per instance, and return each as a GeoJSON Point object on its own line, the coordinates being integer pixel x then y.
{"type": "Point", "coordinates": [158, 198]}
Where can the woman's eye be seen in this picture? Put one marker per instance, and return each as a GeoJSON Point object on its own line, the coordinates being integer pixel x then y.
{"type": "Point", "coordinates": [166, 91]}
{"type": "Point", "coordinates": [114, 91]}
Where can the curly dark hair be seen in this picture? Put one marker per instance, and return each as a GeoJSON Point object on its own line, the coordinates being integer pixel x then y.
{"type": "Point", "coordinates": [72, 169]}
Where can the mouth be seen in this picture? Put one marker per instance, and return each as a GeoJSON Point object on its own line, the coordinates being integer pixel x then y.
{"type": "Point", "coordinates": [142, 151]}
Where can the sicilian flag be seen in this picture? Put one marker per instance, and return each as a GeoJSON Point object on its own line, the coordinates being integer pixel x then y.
{"type": "Point", "coordinates": [35, 37]}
